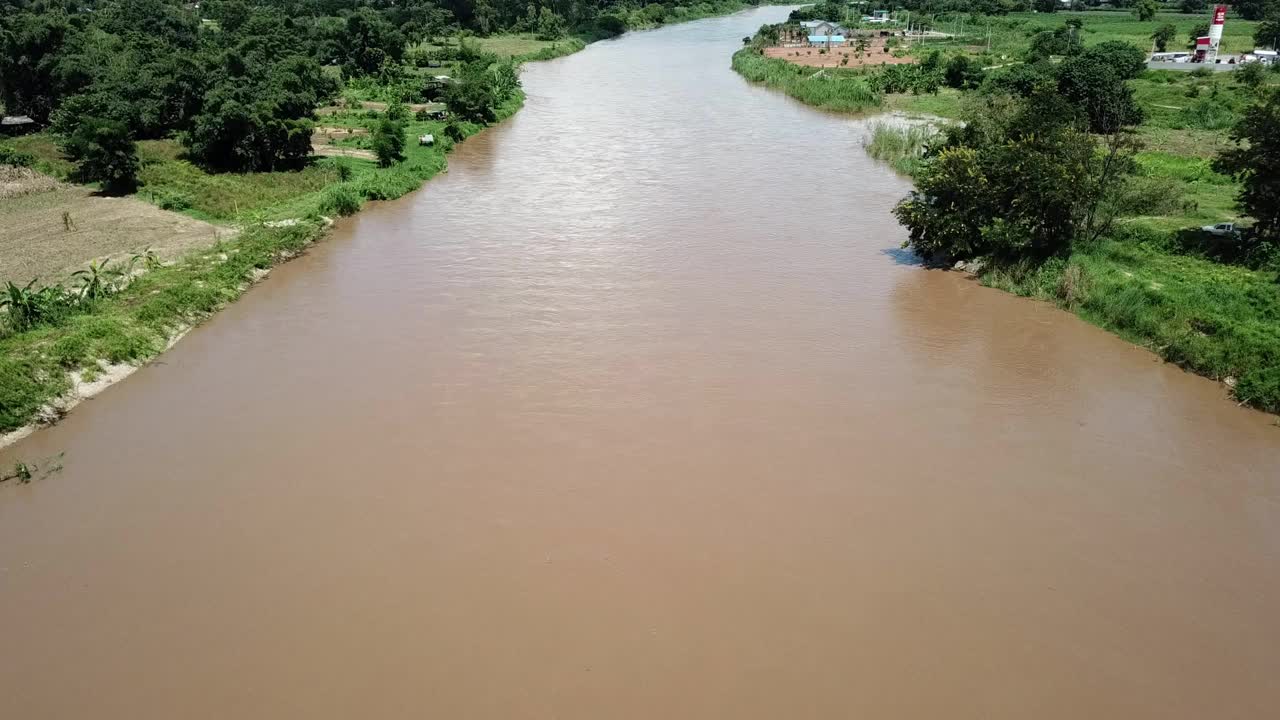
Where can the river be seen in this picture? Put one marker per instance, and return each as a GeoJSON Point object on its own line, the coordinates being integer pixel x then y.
{"type": "Point", "coordinates": [638, 412]}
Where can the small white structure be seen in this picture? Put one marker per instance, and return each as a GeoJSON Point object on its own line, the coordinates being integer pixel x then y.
{"type": "Point", "coordinates": [426, 139]}
{"type": "Point", "coordinates": [822, 27]}
{"type": "Point", "coordinates": [1270, 57]}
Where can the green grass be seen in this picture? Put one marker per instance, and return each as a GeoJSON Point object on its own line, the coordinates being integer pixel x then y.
{"type": "Point", "coordinates": [899, 146]}
{"type": "Point", "coordinates": [1153, 282]}
{"type": "Point", "coordinates": [44, 147]}
{"type": "Point", "coordinates": [947, 103]}
{"type": "Point", "coordinates": [1010, 35]}
{"type": "Point", "coordinates": [829, 88]}
{"type": "Point", "coordinates": [136, 323]}
{"type": "Point", "coordinates": [1214, 319]}
{"type": "Point", "coordinates": [525, 46]}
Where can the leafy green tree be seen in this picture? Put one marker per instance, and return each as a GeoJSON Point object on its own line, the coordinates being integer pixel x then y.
{"type": "Point", "coordinates": [370, 42]}
{"type": "Point", "coordinates": [1022, 80]}
{"type": "Point", "coordinates": [472, 96]}
{"type": "Point", "coordinates": [1251, 75]}
{"type": "Point", "coordinates": [1198, 30]}
{"type": "Point", "coordinates": [1163, 35]}
{"type": "Point", "coordinates": [1145, 10]}
{"type": "Point", "coordinates": [388, 142]}
{"type": "Point", "coordinates": [1252, 9]}
{"type": "Point", "coordinates": [550, 26]}
{"type": "Point", "coordinates": [962, 72]}
{"type": "Point", "coordinates": [1064, 40]}
{"type": "Point", "coordinates": [506, 79]}
{"type": "Point", "coordinates": [1046, 6]}
{"type": "Point", "coordinates": [1255, 163]}
{"type": "Point", "coordinates": [1267, 34]}
{"type": "Point", "coordinates": [1020, 180]}
{"type": "Point", "coordinates": [1094, 83]}
{"type": "Point", "coordinates": [33, 77]}
{"type": "Point", "coordinates": [1194, 7]}
{"type": "Point", "coordinates": [238, 130]}
{"type": "Point", "coordinates": [104, 152]}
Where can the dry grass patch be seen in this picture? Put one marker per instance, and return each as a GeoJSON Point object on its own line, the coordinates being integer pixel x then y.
{"type": "Point", "coordinates": [50, 234]}
{"type": "Point", "coordinates": [20, 181]}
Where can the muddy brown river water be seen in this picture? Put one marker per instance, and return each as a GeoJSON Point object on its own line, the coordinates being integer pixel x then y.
{"type": "Point", "coordinates": [638, 413]}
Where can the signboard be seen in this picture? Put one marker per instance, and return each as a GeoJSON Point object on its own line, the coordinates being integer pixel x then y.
{"type": "Point", "coordinates": [1215, 30]}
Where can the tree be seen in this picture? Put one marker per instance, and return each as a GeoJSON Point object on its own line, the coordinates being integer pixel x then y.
{"type": "Point", "coordinates": [1094, 83]}
{"type": "Point", "coordinates": [962, 72]}
{"type": "Point", "coordinates": [1022, 80]}
{"type": "Point", "coordinates": [240, 130]}
{"type": "Point", "coordinates": [1198, 30]}
{"type": "Point", "coordinates": [472, 95]}
{"type": "Point", "coordinates": [1046, 6]}
{"type": "Point", "coordinates": [1163, 35]}
{"type": "Point", "coordinates": [1252, 9]}
{"type": "Point", "coordinates": [1064, 40]}
{"type": "Point", "coordinates": [1251, 75]}
{"type": "Point", "coordinates": [1020, 180]}
{"type": "Point", "coordinates": [1267, 34]}
{"type": "Point", "coordinates": [1194, 7]}
{"type": "Point", "coordinates": [388, 142]}
{"type": "Point", "coordinates": [33, 77]}
{"type": "Point", "coordinates": [550, 25]}
{"type": "Point", "coordinates": [1145, 10]}
{"type": "Point", "coordinates": [370, 43]}
{"type": "Point", "coordinates": [1255, 163]}
{"type": "Point", "coordinates": [104, 152]}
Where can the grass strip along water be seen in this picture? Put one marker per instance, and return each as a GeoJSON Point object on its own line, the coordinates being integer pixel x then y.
{"type": "Point", "coordinates": [59, 344]}
{"type": "Point", "coordinates": [1153, 277]}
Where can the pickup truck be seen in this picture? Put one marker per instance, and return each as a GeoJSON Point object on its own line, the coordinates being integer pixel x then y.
{"type": "Point", "coordinates": [1222, 230]}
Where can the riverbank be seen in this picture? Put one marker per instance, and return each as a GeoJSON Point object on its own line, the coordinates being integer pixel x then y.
{"type": "Point", "coordinates": [48, 369]}
{"type": "Point", "coordinates": [1152, 280]}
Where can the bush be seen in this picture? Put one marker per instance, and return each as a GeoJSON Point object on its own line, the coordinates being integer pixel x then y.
{"type": "Point", "coordinates": [172, 200]}
{"type": "Point", "coordinates": [29, 308]}
{"type": "Point", "coordinates": [610, 25]}
{"type": "Point", "coordinates": [16, 158]}
{"type": "Point", "coordinates": [388, 142]}
{"type": "Point", "coordinates": [341, 199]}
{"type": "Point", "coordinates": [1205, 114]}
{"type": "Point", "coordinates": [104, 151]}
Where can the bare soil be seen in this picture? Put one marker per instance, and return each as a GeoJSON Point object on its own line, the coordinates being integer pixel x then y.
{"type": "Point", "coordinates": [323, 141]}
{"type": "Point", "coordinates": [875, 54]}
{"type": "Point", "coordinates": [36, 242]}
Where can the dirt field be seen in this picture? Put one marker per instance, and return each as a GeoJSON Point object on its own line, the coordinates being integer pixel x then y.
{"type": "Point", "coordinates": [876, 54]}
{"type": "Point", "coordinates": [323, 139]}
{"type": "Point", "coordinates": [36, 243]}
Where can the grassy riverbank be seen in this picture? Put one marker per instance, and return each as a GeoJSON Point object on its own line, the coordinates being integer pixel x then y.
{"type": "Point", "coordinates": [46, 366]}
{"type": "Point", "coordinates": [280, 213]}
{"type": "Point", "coordinates": [1154, 279]}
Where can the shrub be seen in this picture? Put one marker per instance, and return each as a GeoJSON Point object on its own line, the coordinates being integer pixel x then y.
{"type": "Point", "coordinates": [1206, 114]}
{"type": "Point", "coordinates": [30, 307]}
{"type": "Point", "coordinates": [16, 158]}
{"type": "Point", "coordinates": [172, 200]}
{"type": "Point", "coordinates": [341, 199]}
{"type": "Point", "coordinates": [104, 151]}
{"type": "Point", "coordinates": [388, 142]}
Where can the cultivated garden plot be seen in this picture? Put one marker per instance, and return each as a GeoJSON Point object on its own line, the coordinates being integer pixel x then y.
{"type": "Point", "coordinates": [59, 228]}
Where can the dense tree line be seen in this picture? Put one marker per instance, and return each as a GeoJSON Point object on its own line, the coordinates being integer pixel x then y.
{"type": "Point", "coordinates": [239, 80]}
{"type": "Point", "coordinates": [1041, 162]}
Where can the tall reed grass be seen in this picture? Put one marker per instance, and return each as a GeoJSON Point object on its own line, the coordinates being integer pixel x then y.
{"type": "Point", "coordinates": [899, 146]}
{"type": "Point", "coordinates": [830, 88]}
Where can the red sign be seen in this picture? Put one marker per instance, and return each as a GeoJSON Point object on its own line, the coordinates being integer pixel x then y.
{"type": "Point", "coordinates": [1220, 15]}
{"type": "Point", "coordinates": [1202, 41]}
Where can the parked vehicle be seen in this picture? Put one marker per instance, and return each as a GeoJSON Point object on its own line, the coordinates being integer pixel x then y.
{"type": "Point", "coordinates": [1226, 230]}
